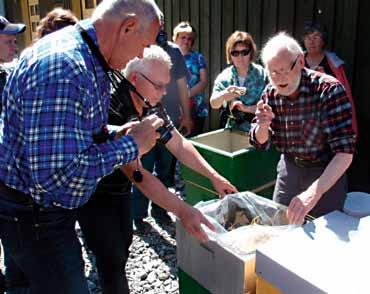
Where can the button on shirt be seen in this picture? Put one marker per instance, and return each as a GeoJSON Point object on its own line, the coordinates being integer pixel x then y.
{"type": "Point", "coordinates": [56, 99]}
{"type": "Point", "coordinates": [316, 125]}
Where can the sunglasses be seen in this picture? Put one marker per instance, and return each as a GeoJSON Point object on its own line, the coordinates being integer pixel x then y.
{"type": "Point", "coordinates": [244, 52]}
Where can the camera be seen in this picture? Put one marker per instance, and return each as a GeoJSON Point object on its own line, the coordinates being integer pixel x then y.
{"type": "Point", "coordinates": [168, 126]}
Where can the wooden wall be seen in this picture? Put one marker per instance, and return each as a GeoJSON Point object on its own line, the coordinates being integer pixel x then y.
{"type": "Point", "coordinates": [215, 20]}
{"type": "Point", "coordinates": [348, 24]}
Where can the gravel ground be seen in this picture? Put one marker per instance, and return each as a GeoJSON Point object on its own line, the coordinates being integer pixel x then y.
{"type": "Point", "coordinates": [151, 267]}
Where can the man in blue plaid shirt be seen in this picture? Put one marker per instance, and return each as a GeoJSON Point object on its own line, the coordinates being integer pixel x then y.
{"type": "Point", "coordinates": [308, 117]}
{"type": "Point", "coordinates": [55, 102]}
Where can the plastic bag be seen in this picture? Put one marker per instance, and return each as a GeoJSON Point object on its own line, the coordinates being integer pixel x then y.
{"type": "Point", "coordinates": [245, 220]}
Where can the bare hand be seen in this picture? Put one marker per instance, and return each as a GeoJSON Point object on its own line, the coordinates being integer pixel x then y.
{"type": "Point", "coordinates": [230, 93]}
{"type": "Point", "coordinates": [237, 104]}
{"type": "Point", "coordinates": [123, 130]}
{"type": "Point", "coordinates": [192, 219]}
{"type": "Point", "coordinates": [300, 206]}
{"type": "Point", "coordinates": [186, 126]}
{"type": "Point", "coordinates": [145, 134]}
{"type": "Point", "coordinates": [223, 186]}
{"type": "Point", "coordinates": [264, 114]}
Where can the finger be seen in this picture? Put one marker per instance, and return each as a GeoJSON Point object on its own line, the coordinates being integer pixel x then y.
{"type": "Point", "coordinates": [157, 123]}
{"type": "Point", "coordinates": [208, 223]}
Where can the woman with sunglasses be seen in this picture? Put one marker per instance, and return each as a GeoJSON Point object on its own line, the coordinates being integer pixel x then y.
{"type": "Point", "coordinates": [238, 87]}
{"type": "Point", "coordinates": [184, 36]}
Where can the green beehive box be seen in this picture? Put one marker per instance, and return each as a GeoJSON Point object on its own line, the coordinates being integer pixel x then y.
{"type": "Point", "coordinates": [230, 153]}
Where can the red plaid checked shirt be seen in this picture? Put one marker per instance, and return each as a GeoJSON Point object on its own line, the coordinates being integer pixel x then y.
{"type": "Point", "coordinates": [316, 125]}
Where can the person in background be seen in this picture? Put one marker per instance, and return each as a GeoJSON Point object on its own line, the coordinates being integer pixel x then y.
{"type": "Point", "coordinates": [159, 159]}
{"type": "Point", "coordinates": [106, 220]}
{"type": "Point", "coordinates": [238, 87]}
{"type": "Point", "coordinates": [54, 142]}
{"type": "Point", "coordinates": [8, 50]}
{"type": "Point", "coordinates": [184, 35]}
{"type": "Point", "coordinates": [308, 116]}
{"type": "Point", "coordinates": [317, 57]}
{"type": "Point", "coordinates": [55, 20]}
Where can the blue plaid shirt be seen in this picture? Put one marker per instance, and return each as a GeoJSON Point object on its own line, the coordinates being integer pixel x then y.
{"type": "Point", "coordinates": [56, 98]}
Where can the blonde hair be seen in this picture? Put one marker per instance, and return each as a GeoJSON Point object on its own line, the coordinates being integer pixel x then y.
{"type": "Point", "coordinates": [184, 27]}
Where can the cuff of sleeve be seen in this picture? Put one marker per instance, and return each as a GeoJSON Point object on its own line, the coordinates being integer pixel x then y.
{"type": "Point", "coordinates": [128, 150]}
{"type": "Point", "coordinates": [255, 143]}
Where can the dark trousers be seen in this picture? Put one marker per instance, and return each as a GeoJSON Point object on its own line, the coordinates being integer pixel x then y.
{"type": "Point", "coordinates": [293, 180]}
{"type": "Point", "coordinates": [106, 224]}
{"type": "Point", "coordinates": [43, 244]}
{"type": "Point", "coordinates": [158, 159]}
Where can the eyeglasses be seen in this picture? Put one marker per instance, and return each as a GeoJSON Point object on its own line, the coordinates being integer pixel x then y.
{"type": "Point", "coordinates": [155, 85]}
{"type": "Point", "coordinates": [244, 52]}
{"type": "Point", "coordinates": [287, 71]}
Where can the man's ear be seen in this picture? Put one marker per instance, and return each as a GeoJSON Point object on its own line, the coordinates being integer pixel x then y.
{"type": "Point", "coordinates": [129, 25]}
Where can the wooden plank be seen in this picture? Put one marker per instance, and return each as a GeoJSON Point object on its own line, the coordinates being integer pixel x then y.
{"type": "Point", "coordinates": [286, 12]}
{"type": "Point", "coordinates": [325, 14]}
{"type": "Point", "coordinates": [361, 85]}
{"type": "Point", "coordinates": [227, 26]}
{"type": "Point", "coordinates": [215, 52]}
{"type": "Point", "coordinates": [255, 21]}
{"type": "Point", "coordinates": [304, 12]}
{"type": "Point", "coordinates": [168, 17]}
{"type": "Point", "coordinates": [185, 10]}
{"type": "Point", "coordinates": [345, 33]}
{"type": "Point", "coordinates": [269, 15]}
{"type": "Point", "coordinates": [176, 16]}
{"type": "Point", "coordinates": [195, 18]}
{"type": "Point", "coordinates": [204, 42]}
{"type": "Point", "coordinates": [241, 7]}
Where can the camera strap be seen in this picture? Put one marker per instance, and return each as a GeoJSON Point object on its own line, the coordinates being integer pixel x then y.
{"type": "Point", "coordinates": [114, 76]}
{"type": "Point", "coordinates": [117, 80]}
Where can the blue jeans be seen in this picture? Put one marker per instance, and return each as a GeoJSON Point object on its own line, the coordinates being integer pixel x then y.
{"type": "Point", "coordinates": [158, 159]}
{"type": "Point", "coordinates": [106, 224]}
{"type": "Point", "coordinates": [43, 243]}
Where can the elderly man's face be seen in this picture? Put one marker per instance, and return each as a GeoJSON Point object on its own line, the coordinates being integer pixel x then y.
{"type": "Point", "coordinates": [8, 48]}
{"type": "Point", "coordinates": [152, 81]}
{"type": "Point", "coordinates": [129, 46]}
{"type": "Point", "coordinates": [284, 71]}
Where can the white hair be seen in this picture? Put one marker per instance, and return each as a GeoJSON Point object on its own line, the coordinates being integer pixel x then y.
{"type": "Point", "coordinates": [280, 42]}
{"type": "Point", "coordinates": [151, 53]}
{"type": "Point", "coordinates": [145, 10]}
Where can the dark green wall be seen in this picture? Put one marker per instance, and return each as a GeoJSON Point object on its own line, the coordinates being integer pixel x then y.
{"type": "Point", "coordinates": [348, 23]}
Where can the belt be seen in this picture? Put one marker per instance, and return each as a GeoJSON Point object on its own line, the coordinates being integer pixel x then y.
{"type": "Point", "coordinates": [299, 162]}
{"type": "Point", "coordinates": [13, 195]}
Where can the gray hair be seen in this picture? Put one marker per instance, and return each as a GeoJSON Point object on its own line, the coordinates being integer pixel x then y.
{"type": "Point", "coordinates": [151, 53]}
{"type": "Point", "coordinates": [280, 42]}
{"type": "Point", "coordinates": [145, 10]}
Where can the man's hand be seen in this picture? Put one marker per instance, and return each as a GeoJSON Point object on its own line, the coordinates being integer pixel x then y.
{"type": "Point", "coordinates": [145, 134]}
{"type": "Point", "coordinates": [222, 185]}
{"type": "Point", "coordinates": [192, 219]}
{"type": "Point", "coordinates": [301, 205]}
{"type": "Point", "coordinates": [123, 130]}
{"type": "Point", "coordinates": [264, 114]}
{"type": "Point", "coordinates": [186, 126]}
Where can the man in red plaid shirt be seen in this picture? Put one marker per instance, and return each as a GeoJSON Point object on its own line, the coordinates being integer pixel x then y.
{"type": "Point", "coordinates": [308, 117]}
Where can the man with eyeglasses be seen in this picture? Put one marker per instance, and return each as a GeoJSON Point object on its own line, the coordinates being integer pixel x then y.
{"type": "Point", "coordinates": [308, 117]}
{"type": "Point", "coordinates": [106, 220]}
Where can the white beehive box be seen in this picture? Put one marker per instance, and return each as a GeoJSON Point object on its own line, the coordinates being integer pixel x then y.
{"type": "Point", "coordinates": [329, 255]}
